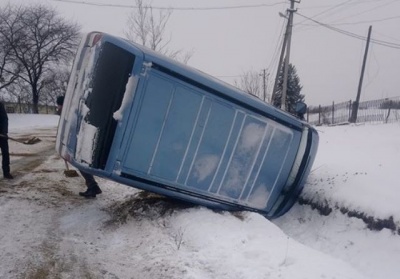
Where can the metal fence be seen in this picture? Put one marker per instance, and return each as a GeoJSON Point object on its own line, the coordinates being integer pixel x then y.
{"type": "Point", "coordinates": [27, 108]}
{"type": "Point", "coordinates": [383, 111]}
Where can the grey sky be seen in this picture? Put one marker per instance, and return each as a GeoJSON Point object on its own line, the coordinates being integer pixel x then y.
{"type": "Point", "coordinates": [227, 42]}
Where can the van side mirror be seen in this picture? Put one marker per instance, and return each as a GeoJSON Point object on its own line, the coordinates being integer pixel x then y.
{"type": "Point", "coordinates": [301, 109]}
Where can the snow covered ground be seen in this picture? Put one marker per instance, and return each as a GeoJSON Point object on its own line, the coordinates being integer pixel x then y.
{"type": "Point", "coordinates": [355, 174]}
{"type": "Point", "coordinates": [49, 231]}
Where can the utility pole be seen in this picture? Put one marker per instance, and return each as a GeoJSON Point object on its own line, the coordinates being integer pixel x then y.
{"type": "Point", "coordinates": [280, 61]}
{"type": "Point", "coordinates": [264, 77]}
{"type": "Point", "coordinates": [353, 117]}
{"type": "Point", "coordinates": [287, 56]}
{"type": "Point", "coordinates": [285, 50]}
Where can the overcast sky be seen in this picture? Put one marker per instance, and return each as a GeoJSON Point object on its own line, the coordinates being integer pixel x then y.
{"type": "Point", "coordinates": [227, 40]}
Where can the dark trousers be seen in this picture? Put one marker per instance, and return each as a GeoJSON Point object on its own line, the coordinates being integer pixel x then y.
{"type": "Point", "coordinates": [89, 179]}
{"type": "Point", "coordinates": [5, 163]}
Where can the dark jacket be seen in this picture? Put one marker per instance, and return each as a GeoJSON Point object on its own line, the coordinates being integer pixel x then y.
{"type": "Point", "coordinates": [3, 120]}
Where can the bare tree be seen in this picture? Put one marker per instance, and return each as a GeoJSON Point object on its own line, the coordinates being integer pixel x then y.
{"type": "Point", "coordinates": [9, 70]}
{"type": "Point", "coordinates": [9, 66]}
{"type": "Point", "coordinates": [148, 29]}
{"type": "Point", "coordinates": [55, 85]}
{"type": "Point", "coordinates": [39, 39]}
{"type": "Point", "coordinates": [250, 82]}
{"type": "Point", "coordinates": [20, 92]}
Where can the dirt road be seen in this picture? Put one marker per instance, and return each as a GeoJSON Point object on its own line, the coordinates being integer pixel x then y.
{"type": "Point", "coordinates": [26, 157]}
{"type": "Point", "coordinates": [33, 207]}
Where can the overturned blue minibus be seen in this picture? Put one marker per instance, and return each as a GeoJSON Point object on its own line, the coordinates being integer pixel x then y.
{"type": "Point", "coordinates": [141, 119]}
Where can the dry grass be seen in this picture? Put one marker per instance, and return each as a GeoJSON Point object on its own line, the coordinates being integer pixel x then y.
{"type": "Point", "coordinates": [144, 205]}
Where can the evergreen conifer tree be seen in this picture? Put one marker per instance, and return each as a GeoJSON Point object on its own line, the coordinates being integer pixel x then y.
{"type": "Point", "coordinates": [293, 90]}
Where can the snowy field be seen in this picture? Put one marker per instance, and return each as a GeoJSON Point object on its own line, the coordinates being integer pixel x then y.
{"type": "Point", "coordinates": [49, 231]}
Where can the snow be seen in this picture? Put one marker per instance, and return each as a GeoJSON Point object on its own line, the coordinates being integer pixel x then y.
{"type": "Point", "coordinates": [49, 231]}
{"type": "Point", "coordinates": [29, 122]}
{"type": "Point", "coordinates": [86, 139]}
{"type": "Point", "coordinates": [359, 161]}
{"type": "Point", "coordinates": [128, 97]}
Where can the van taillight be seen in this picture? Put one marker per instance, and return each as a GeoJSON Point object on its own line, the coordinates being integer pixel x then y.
{"type": "Point", "coordinates": [95, 39]}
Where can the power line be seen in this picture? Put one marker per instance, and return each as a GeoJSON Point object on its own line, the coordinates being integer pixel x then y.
{"type": "Point", "coordinates": [172, 8]}
{"type": "Point", "coordinates": [368, 10]}
{"type": "Point", "coordinates": [274, 59]}
{"type": "Point", "coordinates": [330, 9]}
{"type": "Point", "coordinates": [348, 5]}
{"type": "Point", "coordinates": [353, 35]}
{"type": "Point", "coordinates": [387, 36]}
{"type": "Point", "coordinates": [365, 21]}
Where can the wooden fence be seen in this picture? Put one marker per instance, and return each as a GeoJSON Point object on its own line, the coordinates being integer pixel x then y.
{"type": "Point", "coordinates": [382, 110]}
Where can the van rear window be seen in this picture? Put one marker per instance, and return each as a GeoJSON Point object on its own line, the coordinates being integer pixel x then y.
{"type": "Point", "coordinates": [113, 68]}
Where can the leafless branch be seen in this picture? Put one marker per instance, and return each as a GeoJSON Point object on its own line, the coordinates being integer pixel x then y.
{"type": "Point", "coordinates": [250, 82]}
{"type": "Point", "coordinates": [149, 29]}
{"type": "Point", "coordinates": [35, 39]}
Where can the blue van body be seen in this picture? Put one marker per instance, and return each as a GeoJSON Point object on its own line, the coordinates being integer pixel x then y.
{"type": "Point", "coordinates": [141, 119]}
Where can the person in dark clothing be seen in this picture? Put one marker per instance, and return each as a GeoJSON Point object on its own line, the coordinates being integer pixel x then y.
{"type": "Point", "coordinates": [93, 188]}
{"type": "Point", "coordinates": [60, 102]}
{"type": "Point", "coordinates": [4, 142]}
